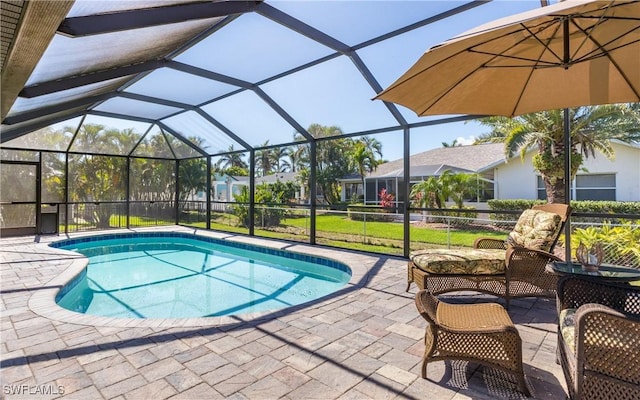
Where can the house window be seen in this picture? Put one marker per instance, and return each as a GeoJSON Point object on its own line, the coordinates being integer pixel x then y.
{"type": "Point", "coordinates": [542, 192]}
{"type": "Point", "coordinates": [587, 187]}
{"type": "Point", "coordinates": [596, 187]}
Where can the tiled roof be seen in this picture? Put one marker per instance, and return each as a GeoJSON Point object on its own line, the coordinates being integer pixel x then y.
{"type": "Point", "coordinates": [472, 158]}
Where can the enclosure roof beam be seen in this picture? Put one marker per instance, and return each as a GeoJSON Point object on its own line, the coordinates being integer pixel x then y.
{"type": "Point", "coordinates": [420, 24]}
{"type": "Point", "coordinates": [298, 26]}
{"type": "Point", "coordinates": [184, 140]}
{"type": "Point", "coordinates": [89, 78]}
{"type": "Point", "coordinates": [156, 100]}
{"type": "Point", "coordinates": [224, 129]}
{"type": "Point", "coordinates": [35, 30]}
{"type": "Point", "coordinates": [276, 107]}
{"type": "Point", "coordinates": [242, 84]}
{"type": "Point", "coordinates": [121, 116]}
{"type": "Point", "coordinates": [12, 133]}
{"type": "Point", "coordinates": [368, 76]}
{"type": "Point", "coordinates": [203, 73]}
{"type": "Point", "coordinates": [147, 17]}
{"type": "Point", "coordinates": [69, 105]}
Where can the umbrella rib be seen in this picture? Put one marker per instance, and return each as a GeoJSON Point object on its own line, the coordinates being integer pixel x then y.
{"type": "Point", "coordinates": [484, 65]}
{"type": "Point", "coordinates": [545, 46]}
{"type": "Point", "coordinates": [448, 90]}
{"type": "Point", "coordinates": [536, 62]}
{"type": "Point", "coordinates": [602, 47]}
{"type": "Point", "coordinates": [409, 78]}
{"type": "Point", "coordinates": [545, 33]}
{"type": "Point", "coordinates": [606, 53]}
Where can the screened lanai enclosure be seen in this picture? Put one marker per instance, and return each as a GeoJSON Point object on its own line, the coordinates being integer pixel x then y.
{"type": "Point", "coordinates": [252, 117]}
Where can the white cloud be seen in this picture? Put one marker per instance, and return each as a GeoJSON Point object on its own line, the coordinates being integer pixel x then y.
{"type": "Point", "coordinates": [466, 141]}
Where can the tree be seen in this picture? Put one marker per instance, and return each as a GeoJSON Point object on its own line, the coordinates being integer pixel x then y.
{"type": "Point", "coordinates": [363, 159]}
{"type": "Point", "coordinates": [436, 190]}
{"type": "Point", "coordinates": [454, 143]}
{"type": "Point", "coordinates": [332, 160]}
{"type": "Point", "coordinates": [372, 144]}
{"type": "Point", "coordinates": [336, 157]}
{"type": "Point", "coordinates": [277, 157]}
{"type": "Point", "coordinates": [192, 179]}
{"type": "Point", "coordinates": [266, 214]}
{"type": "Point", "coordinates": [591, 129]}
{"type": "Point", "coordinates": [298, 157]}
{"type": "Point", "coordinates": [426, 193]}
{"type": "Point", "coordinates": [232, 159]}
{"type": "Point", "coordinates": [459, 186]}
{"type": "Point", "coordinates": [99, 178]}
{"type": "Point", "coordinates": [264, 160]}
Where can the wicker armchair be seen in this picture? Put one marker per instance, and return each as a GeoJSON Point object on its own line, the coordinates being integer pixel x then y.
{"type": "Point", "coordinates": [599, 338]}
{"type": "Point", "coordinates": [505, 268]}
{"type": "Point", "coordinates": [481, 333]}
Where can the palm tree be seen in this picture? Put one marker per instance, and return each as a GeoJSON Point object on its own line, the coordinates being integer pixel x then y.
{"type": "Point", "coordinates": [264, 160]}
{"type": "Point", "coordinates": [372, 144]}
{"type": "Point", "coordinates": [459, 186]}
{"type": "Point", "coordinates": [426, 193]}
{"type": "Point", "coordinates": [297, 158]}
{"type": "Point", "coordinates": [592, 129]}
{"type": "Point", "coordinates": [277, 158]}
{"type": "Point", "coordinates": [231, 159]}
{"type": "Point", "coordinates": [332, 160]}
{"type": "Point", "coordinates": [454, 143]}
{"type": "Point", "coordinates": [363, 159]}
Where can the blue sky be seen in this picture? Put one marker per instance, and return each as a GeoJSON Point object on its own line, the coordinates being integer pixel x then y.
{"type": "Point", "coordinates": [253, 48]}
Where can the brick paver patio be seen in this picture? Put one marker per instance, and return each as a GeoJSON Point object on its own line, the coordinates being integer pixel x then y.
{"type": "Point", "coordinates": [364, 342]}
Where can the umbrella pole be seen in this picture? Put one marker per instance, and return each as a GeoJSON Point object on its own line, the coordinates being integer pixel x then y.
{"type": "Point", "coordinates": [567, 148]}
{"type": "Point", "coordinates": [567, 183]}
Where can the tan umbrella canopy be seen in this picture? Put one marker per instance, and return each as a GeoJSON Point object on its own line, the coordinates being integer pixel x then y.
{"type": "Point", "coordinates": [568, 54]}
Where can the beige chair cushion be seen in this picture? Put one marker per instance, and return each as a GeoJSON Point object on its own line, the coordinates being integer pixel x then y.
{"type": "Point", "coordinates": [460, 261]}
{"type": "Point", "coordinates": [535, 229]}
{"type": "Point", "coordinates": [567, 323]}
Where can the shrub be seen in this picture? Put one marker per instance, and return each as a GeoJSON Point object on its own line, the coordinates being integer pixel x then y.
{"type": "Point", "coordinates": [361, 212]}
{"type": "Point", "coordinates": [455, 216]}
{"type": "Point", "coordinates": [578, 206]}
{"type": "Point", "coordinates": [265, 215]}
{"type": "Point", "coordinates": [621, 243]}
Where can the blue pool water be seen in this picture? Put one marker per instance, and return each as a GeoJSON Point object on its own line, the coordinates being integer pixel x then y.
{"type": "Point", "coordinates": [175, 275]}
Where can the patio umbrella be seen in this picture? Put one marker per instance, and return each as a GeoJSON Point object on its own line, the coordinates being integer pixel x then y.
{"type": "Point", "coordinates": [569, 54]}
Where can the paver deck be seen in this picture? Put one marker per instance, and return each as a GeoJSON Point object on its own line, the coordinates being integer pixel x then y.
{"type": "Point", "coordinates": [364, 342]}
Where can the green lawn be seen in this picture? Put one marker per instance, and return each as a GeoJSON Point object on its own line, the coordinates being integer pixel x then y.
{"type": "Point", "coordinates": [394, 230]}
{"type": "Point", "coordinates": [340, 231]}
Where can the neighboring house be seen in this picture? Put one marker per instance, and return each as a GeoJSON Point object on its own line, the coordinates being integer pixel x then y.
{"type": "Point", "coordinates": [598, 179]}
{"type": "Point", "coordinates": [390, 175]}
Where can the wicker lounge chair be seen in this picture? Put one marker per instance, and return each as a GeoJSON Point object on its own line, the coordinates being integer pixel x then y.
{"type": "Point", "coordinates": [599, 338]}
{"type": "Point", "coordinates": [480, 333]}
{"type": "Point", "coordinates": [510, 268]}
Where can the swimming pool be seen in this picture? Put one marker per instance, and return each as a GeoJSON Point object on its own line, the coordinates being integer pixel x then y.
{"type": "Point", "coordinates": [180, 275]}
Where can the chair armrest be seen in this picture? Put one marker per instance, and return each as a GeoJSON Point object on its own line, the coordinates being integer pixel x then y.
{"type": "Point", "coordinates": [605, 340]}
{"type": "Point", "coordinates": [427, 305]}
{"type": "Point", "coordinates": [515, 252]}
{"type": "Point", "coordinates": [530, 265]}
{"type": "Point", "coordinates": [518, 255]}
{"type": "Point", "coordinates": [489, 243]}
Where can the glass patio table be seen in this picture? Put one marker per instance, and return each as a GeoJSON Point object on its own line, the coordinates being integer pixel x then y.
{"type": "Point", "coordinates": [605, 271]}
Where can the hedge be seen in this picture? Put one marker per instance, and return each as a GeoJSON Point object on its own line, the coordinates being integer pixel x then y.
{"type": "Point", "coordinates": [372, 213]}
{"type": "Point", "coordinates": [577, 206]}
